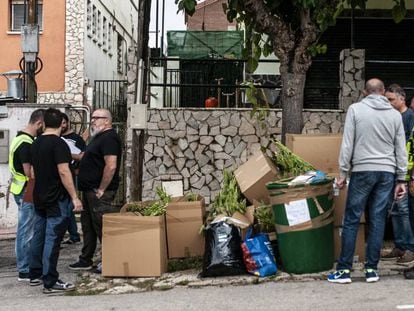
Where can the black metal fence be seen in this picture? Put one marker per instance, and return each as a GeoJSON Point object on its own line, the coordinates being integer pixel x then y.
{"type": "Point", "coordinates": [189, 82]}
{"type": "Point", "coordinates": [111, 95]}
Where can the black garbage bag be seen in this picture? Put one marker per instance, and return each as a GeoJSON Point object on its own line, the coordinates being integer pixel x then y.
{"type": "Point", "coordinates": [223, 254]}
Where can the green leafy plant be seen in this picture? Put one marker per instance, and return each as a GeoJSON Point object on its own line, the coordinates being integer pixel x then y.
{"type": "Point", "coordinates": [191, 197]}
{"type": "Point", "coordinates": [156, 208]}
{"type": "Point", "coordinates": [229, 199]}
{"type": "Point", "coordinates": [264, 216]}
{"type": "Point", "coordinates": [289, 164]}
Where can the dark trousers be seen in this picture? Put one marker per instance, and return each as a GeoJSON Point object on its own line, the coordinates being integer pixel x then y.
{"type": "Point", "coordinates": [45, 246]}
{"type": "Point", "coordinates": [91, 220]}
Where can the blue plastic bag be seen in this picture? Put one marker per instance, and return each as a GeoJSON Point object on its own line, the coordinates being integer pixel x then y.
{"type": "Point", "coordinates": [258, 254]}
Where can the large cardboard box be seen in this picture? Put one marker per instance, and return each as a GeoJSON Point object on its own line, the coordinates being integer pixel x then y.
{"type": "Point", "coordinates": [320, 150]}
{"type": "Point", "coordinates": [359, 255]}
{"type": "Point", "coordinates": [253, 175]}
{"type": "Point", "coordinates": [133, 246]}
{"type": "Point", "coordinates": [184, 220]}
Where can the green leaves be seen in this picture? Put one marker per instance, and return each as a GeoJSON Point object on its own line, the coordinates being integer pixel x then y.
{"type": "Point", "coordinates": [187, 5]}
{"type": "Point", "coordinates": [316, 49]}
{"type": "Point", "coordinates": [399, 11]}
{"type": "Point", "coordinates": [228, 200]}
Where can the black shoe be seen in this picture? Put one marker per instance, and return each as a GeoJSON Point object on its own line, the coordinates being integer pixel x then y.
{"type": "Point", "coordinates": [409, 274]}
{"type": "Point", "coordinates": [36, 282]}
{"type": "Point", "coordinates": [23, 277]}
{"type": "Point", "coordinates": [59, 287]}
{"type": "Point", "coordinates": [80, 265]}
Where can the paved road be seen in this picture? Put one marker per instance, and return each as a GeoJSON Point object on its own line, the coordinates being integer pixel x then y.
{"type": "Point", "coordinates": [391, 293]}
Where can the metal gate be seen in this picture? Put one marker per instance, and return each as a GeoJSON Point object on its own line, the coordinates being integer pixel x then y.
{"type": "Point", "coordinates": [111, 95]}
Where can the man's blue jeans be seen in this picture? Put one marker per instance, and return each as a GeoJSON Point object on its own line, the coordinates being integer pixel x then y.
{"type": "Point", "coordinates": [403, 233]}
{"type": "Point", "coordinates": [24, 232]}
{"type": "Point", "coordinates": [373, 189]}
{"type": "Point", "coordinates": [48, 233]}
{"type": "Point", "coordinates": [73, 226]}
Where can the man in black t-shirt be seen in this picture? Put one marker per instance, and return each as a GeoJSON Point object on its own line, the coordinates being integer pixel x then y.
{"type": "Point", "coordinates": [76, 140]}
{"type": "Point", "coordinates": [98, 179]}
{"type": "Point", "coordinates": [19, 164]}
{"type": "Point", "coordinates": [52, 191]}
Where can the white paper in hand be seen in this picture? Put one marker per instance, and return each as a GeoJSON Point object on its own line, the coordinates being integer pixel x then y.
{"type": "Point", "coordinates": [71, 143]}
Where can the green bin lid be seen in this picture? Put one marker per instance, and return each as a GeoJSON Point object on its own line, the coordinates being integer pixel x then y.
{"type": "Point", "coordinates": [284, 183]}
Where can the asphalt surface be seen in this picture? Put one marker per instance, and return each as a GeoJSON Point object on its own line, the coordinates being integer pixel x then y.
{"type": "Point", "coordinates": [391, 293]}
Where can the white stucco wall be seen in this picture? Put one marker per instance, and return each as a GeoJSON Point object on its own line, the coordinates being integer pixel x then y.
{"type": "Point", "coordinates": [101, 64]}
{"type": "Point", "coordinates": [17, 117]}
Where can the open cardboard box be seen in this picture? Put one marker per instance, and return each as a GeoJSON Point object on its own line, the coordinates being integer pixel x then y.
{"type": "Point", "coordinates": [184, 220]}
{"type": "Point", "coordinates": [133, 246]}
{"type": "Point", "coordinates": [253, 175]}
{"type": "Point", "coordinates": [320, 150]}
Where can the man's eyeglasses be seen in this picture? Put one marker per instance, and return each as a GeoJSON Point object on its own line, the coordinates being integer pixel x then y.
{"type": "Point", "coordinates": [95, 118]}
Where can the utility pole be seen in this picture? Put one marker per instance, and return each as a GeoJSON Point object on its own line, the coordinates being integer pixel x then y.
{"type": "Point", "coordinates": [30, 49]}
{"type": "Point", "coordinates": [141, 98]}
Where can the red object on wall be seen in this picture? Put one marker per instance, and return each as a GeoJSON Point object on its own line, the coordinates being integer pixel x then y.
{"type": "Point", "coordinates": [211, 102]}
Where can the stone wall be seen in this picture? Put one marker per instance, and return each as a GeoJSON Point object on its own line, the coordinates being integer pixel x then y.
{"type": "Point", "coordinates": [351, 76]}
{"type": "Point", "coordinates": [195, 145]}
{"type": "Point", "coordinates": [74, 58]}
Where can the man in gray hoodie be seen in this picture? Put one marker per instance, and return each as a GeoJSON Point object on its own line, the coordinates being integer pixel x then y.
{"type": "Point", "coordinates": [373, 154]}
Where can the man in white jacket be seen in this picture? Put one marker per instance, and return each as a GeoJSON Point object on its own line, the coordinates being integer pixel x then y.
{"type": "Point", "coordinates": [374, 156]}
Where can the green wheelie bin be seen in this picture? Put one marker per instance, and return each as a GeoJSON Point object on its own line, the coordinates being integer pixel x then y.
{"type": "Point", "coordinates": [303, 217]}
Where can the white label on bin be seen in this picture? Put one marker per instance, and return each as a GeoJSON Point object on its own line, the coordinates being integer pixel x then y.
{"type": "Point", "coordinates": [297, 212]}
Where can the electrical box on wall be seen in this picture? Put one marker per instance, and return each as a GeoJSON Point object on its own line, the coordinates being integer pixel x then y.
{"type": "Point", "coordinates": [4, 146]}
{"type": "Point", "coordinates": [138, 117]}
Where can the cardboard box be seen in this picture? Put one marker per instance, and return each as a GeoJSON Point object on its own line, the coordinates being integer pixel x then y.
{"type": "Point", "coordinates": [359, 255]}
{"type": "Point", "coordinates": [133, 246]}
{"type": "Point", "coordinates": [184, 220]}
{"type": "Point", "coordinates": [253, 175]}
{"type": "Point", "coordinates": [320, 150]}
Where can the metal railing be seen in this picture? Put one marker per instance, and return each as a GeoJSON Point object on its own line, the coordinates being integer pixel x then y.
{"type": "Point", "coordinates": [111, 95]}
{"type": "Point", "coordinates": [189, 82]}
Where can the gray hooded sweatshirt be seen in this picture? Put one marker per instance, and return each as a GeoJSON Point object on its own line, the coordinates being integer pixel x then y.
{"type": "Point", "coordinates": [373, 138]}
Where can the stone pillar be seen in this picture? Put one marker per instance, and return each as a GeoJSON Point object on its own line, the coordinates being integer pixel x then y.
{"type": "Point", "coordinates": [74, 52]}
{"type": "Point", "coordinates": [351, 76]}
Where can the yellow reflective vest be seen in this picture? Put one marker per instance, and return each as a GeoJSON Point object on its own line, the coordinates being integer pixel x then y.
{"type": "Point", "coordinates": [18, 179]}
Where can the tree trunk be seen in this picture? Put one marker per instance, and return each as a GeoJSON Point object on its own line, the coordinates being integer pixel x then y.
{"type": "Point", "coordinates": [293, 85]}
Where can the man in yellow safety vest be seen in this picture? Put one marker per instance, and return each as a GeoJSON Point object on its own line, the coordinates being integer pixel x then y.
{"type": "Point", "coordinates": [20, 168]}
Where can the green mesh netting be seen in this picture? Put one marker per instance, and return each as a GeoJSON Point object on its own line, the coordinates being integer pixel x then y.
{"type": "Point", "coordinates": [205, 44]}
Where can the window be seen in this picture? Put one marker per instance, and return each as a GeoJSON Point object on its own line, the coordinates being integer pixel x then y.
{"type": "Point", "coordinates": [89, 18]}
{"type": "Point", "coordinates": [94, 17]}
{"type": "Point", "coordinates": [110, 34]}
{"type": "Point", "coordinates": [99, 29]}
{"type": "Point", "coordinates": [120, 54]}
{"type": "Point", "coordinates": [104, 34]}
{"type": "Point", "coordinates": [17, 18]}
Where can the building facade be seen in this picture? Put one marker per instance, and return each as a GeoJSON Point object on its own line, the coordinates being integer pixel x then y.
{"type": "Point", "coordinates": [80, 42]}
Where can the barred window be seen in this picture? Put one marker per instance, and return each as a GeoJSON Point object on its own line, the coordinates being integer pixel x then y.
{"type": "Point", "coordinates": [110, 36]}
{"type": "Point", "coordinates": [104, 34]}
{"type": "Point", "coordinates": [120, 54]}
{"type": "Point", "coordinates": [99, 29]}
{"type": "Point", "coordinates": [17, 12]}
{"type": "Point", "coordinates": [89, 18]}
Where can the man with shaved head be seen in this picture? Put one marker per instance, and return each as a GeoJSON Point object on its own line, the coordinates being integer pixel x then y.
{"type": "Point", "coordinates": [374, 156]}
{"type": "Point", "coordinates": [98, 180]}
